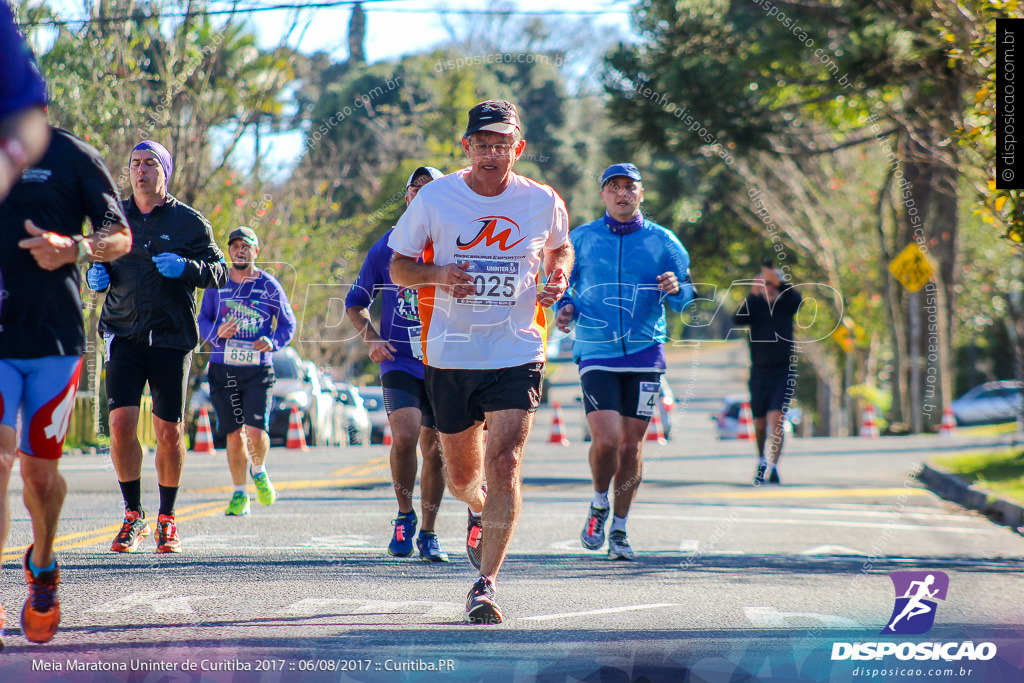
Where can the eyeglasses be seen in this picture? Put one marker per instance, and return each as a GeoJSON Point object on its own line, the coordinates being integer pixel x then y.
{"type": "Point", "coordinates": [482, 149]}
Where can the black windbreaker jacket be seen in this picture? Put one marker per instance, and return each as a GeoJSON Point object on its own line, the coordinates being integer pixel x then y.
{"type": "Point", "coordinates": [144, 306]}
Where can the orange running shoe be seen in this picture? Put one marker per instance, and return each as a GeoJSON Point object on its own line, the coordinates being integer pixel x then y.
{"type": "Point", "coordinates": [133, 530]}
{"type": "Point", "coordinates": [41, 613]}
{"type": "Point", "coordinates": [167, 535]}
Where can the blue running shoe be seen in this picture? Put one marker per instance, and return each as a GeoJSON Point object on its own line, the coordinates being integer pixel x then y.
{"type": "Point", "coordinates": [401, 541]}
{"type": "Point", "coordinates": [430, 547]}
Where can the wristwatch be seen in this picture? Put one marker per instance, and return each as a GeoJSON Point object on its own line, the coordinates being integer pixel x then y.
{"type": "Point", "coordinates": [83, 249]}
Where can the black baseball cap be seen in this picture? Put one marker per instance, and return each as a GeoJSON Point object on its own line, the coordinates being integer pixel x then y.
{"type": "Point", "coordinates": [493, 116]}
{"type": "Point", "coordinates": [246, 234]}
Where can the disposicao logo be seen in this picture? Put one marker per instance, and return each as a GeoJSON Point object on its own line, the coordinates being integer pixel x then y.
{"type": "Point", "coordinates": [489, 234]}
{"type": "Point", "coordinates": [916, 593]}
{"type": "Point", "coordinates": [913, 614]}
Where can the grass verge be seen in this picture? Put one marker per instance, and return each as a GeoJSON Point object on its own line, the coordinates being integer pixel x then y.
{"type": "Point", "coordinates": [1001, 472]}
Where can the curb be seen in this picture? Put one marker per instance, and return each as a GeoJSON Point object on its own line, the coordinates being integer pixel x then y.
{"type": "Point", "coordinates": [952, 488]}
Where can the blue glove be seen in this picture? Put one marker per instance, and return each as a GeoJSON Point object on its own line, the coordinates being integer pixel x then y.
{"type": "Point", "coordinates": [97, 277]}
{"type": "Point", "coordinates": [170, 265]}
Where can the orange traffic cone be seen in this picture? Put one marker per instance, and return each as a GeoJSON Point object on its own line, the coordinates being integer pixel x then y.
{"type": "Point", "coordinates": [204, 435]}
{"type": "Point", "coordinates": [388, 437]}
{"type": "Point", "coordinates": [557, 429]}
{"type": "Point", "coordinates": [745, 429]}
{"type": "Point", "coordinates": [655, 431]}
{"type": "Point", "coordinates": [948, 427]}
{"type": "Point", "coordinates": [296, 437]}
{"type": "Point", "coordinates": [868, 426]}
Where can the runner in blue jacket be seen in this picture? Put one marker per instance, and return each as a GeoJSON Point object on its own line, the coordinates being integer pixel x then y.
{"type": "Point", "coordinates": [397, 347]}
{"type": "Point", "coordinates": [627, 268]}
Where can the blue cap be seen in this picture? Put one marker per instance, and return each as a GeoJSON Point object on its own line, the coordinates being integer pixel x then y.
{"type": "Point", "coordinates": [616, 170]}
{"type": "Point", "coordinates": [430, 171]}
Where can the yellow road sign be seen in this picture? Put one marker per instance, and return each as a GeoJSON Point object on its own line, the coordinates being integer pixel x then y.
{"type": "Point", "coordinates": [912, 267]}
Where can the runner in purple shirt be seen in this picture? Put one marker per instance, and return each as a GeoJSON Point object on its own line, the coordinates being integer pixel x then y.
{"type": "Point", "coordinates": [398, 349]}
{"type": "Point", "coordinates": [245, 321]}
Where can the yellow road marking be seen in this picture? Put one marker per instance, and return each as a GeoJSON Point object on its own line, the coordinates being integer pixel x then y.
{"type": "Point", "coordinates": [351, 468]}
{"type": "Point", "coordinates": [812, 493]}
{"type": "Point", "coordinates": [206, 509]}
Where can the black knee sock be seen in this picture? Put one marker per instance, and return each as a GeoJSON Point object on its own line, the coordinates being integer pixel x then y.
{"type": "Point", "coordinates": [131, 491]}
{"type": "Point", "coordinates": [168, 494]}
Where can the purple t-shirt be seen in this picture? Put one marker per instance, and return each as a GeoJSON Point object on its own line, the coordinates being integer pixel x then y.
{"type": "Point", "coordinates": [651, 359]}
{"type": "Point", "coordinates": [21, 85]}
{"type": "Point", "coordinates": [400, 313]}
{"type": "Point", "coordinates": [255, 304]}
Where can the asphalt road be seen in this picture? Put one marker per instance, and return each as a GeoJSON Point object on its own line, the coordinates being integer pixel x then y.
{"type": "Point", "coordinates": [731, 582]}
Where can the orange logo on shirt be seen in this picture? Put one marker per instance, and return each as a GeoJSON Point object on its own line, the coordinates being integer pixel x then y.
{"type": "Point", "coordinates": [489, 232]}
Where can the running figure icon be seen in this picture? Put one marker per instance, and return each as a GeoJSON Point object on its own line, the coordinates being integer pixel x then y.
{"type": "Point", "coordinates": [916, 606]}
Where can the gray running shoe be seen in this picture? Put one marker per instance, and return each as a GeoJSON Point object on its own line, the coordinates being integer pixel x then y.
{"type": "Point", "coordinates": [592, 535]}
{"type": "Point", "coordinates": [618, 546]}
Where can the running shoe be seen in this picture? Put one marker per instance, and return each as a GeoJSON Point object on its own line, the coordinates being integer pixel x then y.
{"type": "Point", "coordinates": [480, 605]}
{"type": "Point", "coordinates": [133, 530]}
{"type": "Point", "coordinates": [266, 494]}
{"type": "Point", "coordinates": [773, 478]}
{"type": "Point", "coordinates": [474, 536]}
{"type": "Point", "coordinates": [238, 505]}
{"type": "Point", "coordinates": [618, 546]}
{"type": "Point", "coordinates": [759, 474]}
{"type": "Point", "coordinates": [401, 540]}
{"type": "Point", "coordinates": [593, 533]}
{"type": "Point", "coordinates": [41, 613]}
{"type": "Point", "coordinates": [430, 547]}
{"type": "Point", "coordinates": [3, 618]}
{"type": "Point", "coordinates": [167, 535]}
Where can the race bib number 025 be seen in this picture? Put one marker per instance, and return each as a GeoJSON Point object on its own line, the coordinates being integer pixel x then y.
{"type": "Point", "coordinates": [240, 353]}
{"type": "Point", "coordinates": [495, 283]}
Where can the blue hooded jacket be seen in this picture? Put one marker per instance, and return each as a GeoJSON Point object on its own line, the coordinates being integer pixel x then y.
{"type": "Point", "coordinates": [614, 288]}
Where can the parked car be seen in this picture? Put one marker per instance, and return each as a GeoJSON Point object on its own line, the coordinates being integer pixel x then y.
{"type": "Point", "coordinates": [666, 405]}
{"type": "Point", "coordinates": [727, 420]}
{"type": "Point", "coordinates": [356, 420]}
{"type": "Point", "coordinates": [373, 396]}
{"type": "Point", "coordinates": [989, 403]}
{"type": "Point", "coordinates": [298, 385]}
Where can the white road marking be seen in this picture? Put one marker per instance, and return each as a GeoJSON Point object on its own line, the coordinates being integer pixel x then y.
{"type": "Point", "coordinates": [769, 617]}
{"type": "Point", "coordinates": [162, 602]}
{"type": "Point", "coordinates": [689, 545]}
{"type": "Point", "coordinates": [833, 550]}
{"type": "Point", "coordinates": [608, 610]}
{"type": "Point", "coordinates": [326, 606]}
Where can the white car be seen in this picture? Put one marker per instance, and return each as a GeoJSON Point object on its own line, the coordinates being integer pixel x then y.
{"type": "Point", "coordinates": [727, 420]}
{"type": "Point", "coordinates": [989, 403]}
{"type": "Point", "coordinates": [298, 386]}
{"type": "Point", "coordinates": [373, 396]}
{"type": "Point", "coordinates": [356, 419]}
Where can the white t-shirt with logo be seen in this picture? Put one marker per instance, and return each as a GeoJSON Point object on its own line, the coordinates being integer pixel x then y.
{"type": "Point", "coordinates": [503, 238]}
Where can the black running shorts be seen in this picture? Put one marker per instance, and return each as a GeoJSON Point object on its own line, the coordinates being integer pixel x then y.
{"type": "Point", "coordinates": [621, 392]}
{"type": "Point", "coordinates": [241, 395]}
{"type": "Point", "coordinates": [462, 397]}
{"type": "Point", "coordinates": [771, 389]}
{"type": "Point", "coordinates": [129, 366]}
{"type": "Point", "coordinates": [402, 390]}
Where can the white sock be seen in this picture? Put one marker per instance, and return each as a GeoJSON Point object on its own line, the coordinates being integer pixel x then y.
{"type": "Point", "coordinates": [262, 469]}
{"type": "Point", "coordinates": [618, 523]}
{"type": "Point", "coordinates": [240, 488]}
{"type": "Point", "coordinates": [762, 461]}
{"type": "Point", "coordinates": [600, 500]}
